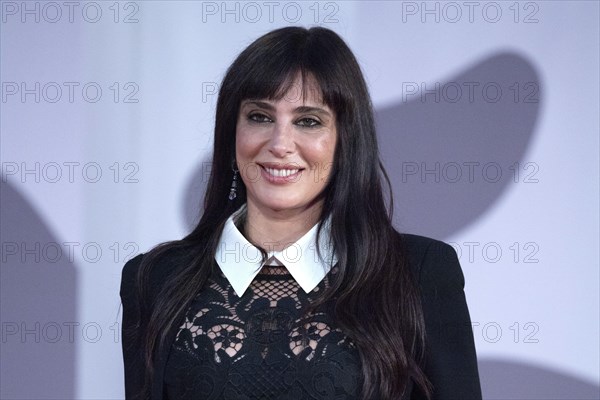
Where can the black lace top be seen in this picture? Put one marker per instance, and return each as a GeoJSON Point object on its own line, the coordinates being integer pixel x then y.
{"type": "Point", "coordinates": [262, 345]}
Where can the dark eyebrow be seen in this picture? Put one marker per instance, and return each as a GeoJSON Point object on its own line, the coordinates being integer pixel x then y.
{"type": "Point", "coordinates": [316, 110]}
{"type": "Point", "coordinates": [261, 104]}
{"type": "Point", "coordinates": [298, 110]}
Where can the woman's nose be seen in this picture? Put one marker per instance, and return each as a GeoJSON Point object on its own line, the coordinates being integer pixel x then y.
{"type": "Point", "coordinates": [282, 139]}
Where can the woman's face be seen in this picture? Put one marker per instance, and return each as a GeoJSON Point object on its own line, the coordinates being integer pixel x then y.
{"type": "Point", "coordinates": [285, 149]}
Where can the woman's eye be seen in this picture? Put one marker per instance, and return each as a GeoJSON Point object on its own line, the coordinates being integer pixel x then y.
{"type": "Point", "coordinates": [308, 122]}
{"type": "Point", "coordinates": [258, 117]}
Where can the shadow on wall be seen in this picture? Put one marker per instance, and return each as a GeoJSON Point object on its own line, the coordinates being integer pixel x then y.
{"type": "Point", "coordinates": [508, 380]}
{"type": "Point", "coordinates": [37, 306]}
{"type": "Point", "coordinates": [453, 148]}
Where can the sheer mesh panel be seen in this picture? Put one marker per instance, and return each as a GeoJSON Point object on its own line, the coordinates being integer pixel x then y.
{"type": "Point", "coordinates": [261, 345]}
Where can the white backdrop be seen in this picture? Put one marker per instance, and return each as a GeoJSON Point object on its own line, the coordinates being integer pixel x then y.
{"type": "Point", "coordinates": [106, 123]}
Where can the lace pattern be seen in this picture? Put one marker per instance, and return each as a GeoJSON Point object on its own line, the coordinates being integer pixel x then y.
{"type": "Point", "coordinates": [261, 345]}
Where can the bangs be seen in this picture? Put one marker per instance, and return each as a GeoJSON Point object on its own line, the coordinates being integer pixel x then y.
{"type": "Point", "coordinates": [296, 64]}
{"type": "Point", "coordinates": [292, 84]}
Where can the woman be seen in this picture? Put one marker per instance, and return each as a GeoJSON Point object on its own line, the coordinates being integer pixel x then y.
{"type": "Point", "coordinates": [294, 284]}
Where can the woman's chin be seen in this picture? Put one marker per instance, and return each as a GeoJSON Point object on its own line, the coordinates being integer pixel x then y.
{"type": "Point", "coordinates": [284, 205]}
{"type": "Point", "coordinates": [278, 204]}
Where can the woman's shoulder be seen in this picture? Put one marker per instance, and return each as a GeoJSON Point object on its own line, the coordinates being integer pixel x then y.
{"type": "Point", "coordinates": [431, 259]}
{"type": "Point", "coordinates": [416, 246]}
{"type": "Point", "coordinates": [164, 261]}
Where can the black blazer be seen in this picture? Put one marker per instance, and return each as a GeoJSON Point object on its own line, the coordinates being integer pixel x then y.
{"type": "Point", "coordinates": [451, 363]}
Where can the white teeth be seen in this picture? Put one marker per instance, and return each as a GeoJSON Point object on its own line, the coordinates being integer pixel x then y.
{"type": "Point", "coordinates": [281, 172]}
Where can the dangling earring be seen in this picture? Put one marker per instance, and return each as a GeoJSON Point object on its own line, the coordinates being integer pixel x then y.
{"type": "Point", "coordinates": [233, 190]}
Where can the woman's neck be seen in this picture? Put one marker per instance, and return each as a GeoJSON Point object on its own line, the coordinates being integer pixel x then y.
{"type": "Point", "coordinates": [276, 230]}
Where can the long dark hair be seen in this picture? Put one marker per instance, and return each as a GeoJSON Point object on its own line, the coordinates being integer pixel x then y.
{"type": "Point", "coordinates": [376, 298]}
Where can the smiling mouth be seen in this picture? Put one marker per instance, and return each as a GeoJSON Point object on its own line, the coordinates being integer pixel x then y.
{"type": "Point", "coordinates": [281, 172]}
{"type": "Point", "coordinates": [280, 175]}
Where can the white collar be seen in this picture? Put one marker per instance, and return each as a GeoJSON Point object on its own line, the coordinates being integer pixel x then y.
{"type": "Point", "coordinates": [240, 260]}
